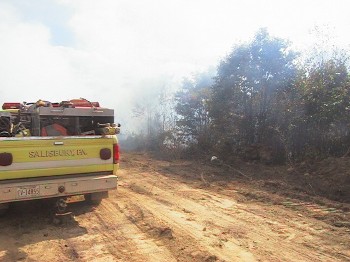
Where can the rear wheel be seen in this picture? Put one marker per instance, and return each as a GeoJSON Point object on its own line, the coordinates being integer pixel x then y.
{"type": "Point", "coordinates": [3, 208]}
{"type": "Point", "coordinates": [96, 198]}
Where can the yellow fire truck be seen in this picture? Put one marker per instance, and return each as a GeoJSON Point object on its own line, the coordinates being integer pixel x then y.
{"type": "Point", "coordinates": [66, 151]}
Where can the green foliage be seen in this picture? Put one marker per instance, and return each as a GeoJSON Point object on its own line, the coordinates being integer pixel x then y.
{"type": "Point", "coordinates": [266, 102]}
{"type": "Point", "coordinates": [192, 109]}
{"type": "Point", "coordinates": [248, 87]}
{"type": "Point", "coordinates": [325, 92]}
{"type": "Point", "coordinates": [262, 101]}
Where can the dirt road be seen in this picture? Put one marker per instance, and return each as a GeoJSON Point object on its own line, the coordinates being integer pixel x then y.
{"type": "Point", "coordinates": [180, 211]}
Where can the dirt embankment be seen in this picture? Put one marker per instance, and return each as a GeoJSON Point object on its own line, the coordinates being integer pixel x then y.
{"type": "Point", "coordinates": [185, 211]}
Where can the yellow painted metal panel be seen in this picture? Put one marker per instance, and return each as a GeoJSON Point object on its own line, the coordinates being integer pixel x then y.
{"type": "Point", "coordinates": [46, 150]}
{"type": "Point", "coordinates": [64, 150]}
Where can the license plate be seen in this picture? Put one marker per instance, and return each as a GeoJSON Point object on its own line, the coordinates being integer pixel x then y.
{"type": "Point", "coordinates": [29, 191]}
{"type": "Point", "coordinates": [77, 198]}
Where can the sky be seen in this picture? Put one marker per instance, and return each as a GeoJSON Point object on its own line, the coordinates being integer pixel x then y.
{"type": "Point", "coordinates": [120, 52]}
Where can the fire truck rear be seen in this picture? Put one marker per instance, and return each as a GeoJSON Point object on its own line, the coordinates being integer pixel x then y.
{"type": "Point", "coordinates": [65, 151]}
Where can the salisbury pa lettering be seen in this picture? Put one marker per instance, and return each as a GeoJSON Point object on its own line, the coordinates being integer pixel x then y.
{"type": "Point", "coordinates": [56, 153]}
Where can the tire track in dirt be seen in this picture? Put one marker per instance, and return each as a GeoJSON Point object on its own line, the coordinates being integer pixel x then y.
{"type": "Point", "coordinates": [269, 238]}
{"type": "Point", "coordinates": [181, 244]}
{"type": "Point", "coordinates": [146, 247]}
{"type": "Point", "coordinates": [158, 215]}
{"type": "Point", "coordinates": [112, 237]}
{"type": "Point", "coordinates": [182, 224]}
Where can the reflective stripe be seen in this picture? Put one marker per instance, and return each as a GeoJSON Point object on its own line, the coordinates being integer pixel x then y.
{"type": "Point", "coordinates": [55, 164]}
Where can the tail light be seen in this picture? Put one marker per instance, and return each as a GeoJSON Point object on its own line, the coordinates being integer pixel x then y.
{"type": "Point", "coordinates": [116, 154]}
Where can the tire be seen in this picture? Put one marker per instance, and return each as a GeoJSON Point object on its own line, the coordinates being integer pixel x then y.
{"type": "Point", "coordinates": [95, 202]}
{"type": "Point", "coordinates": [3, 209]}
{"type": "Point", "coordinates": [95, 198]}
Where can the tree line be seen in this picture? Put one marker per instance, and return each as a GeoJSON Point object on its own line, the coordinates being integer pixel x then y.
{"type": "Point", "coordinates": [264, 102]}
